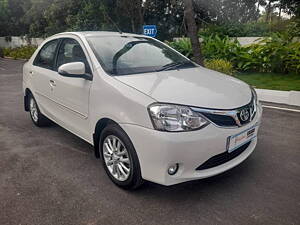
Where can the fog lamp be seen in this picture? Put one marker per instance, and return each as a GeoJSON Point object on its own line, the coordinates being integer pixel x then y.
{"type": "Point", "coordinates": [173, 169]}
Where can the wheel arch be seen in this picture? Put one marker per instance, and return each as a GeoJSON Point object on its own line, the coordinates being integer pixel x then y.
{"type": "Point", "coordinates": [100, 125]}
{"type": "Point", "coordinates": [26, 103]}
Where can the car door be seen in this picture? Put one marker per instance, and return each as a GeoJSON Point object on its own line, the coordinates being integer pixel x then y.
{"type": "Point", "coordinates": [42, 74]}
{"type": "Point", "coordinates": [71, 95]}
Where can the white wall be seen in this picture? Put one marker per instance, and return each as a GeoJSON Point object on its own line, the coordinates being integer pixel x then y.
{"type": "Point", "coordinates": [284, 97]}
{"type": "Point", "coordinates": [248, 40]}
{"type": "Point", "coordinates": [19, 41]}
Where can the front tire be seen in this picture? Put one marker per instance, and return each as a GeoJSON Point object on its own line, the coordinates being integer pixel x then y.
{"type": "Point", "coordinates": [119, 158]}
{"type": "Point", "coordinates": [35, 114]}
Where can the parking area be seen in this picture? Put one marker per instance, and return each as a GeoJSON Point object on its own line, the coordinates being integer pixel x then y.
{"type": "Point", "coordinates": [49, 176]}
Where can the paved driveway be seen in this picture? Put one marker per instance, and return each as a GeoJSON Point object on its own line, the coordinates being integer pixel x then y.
{"type": "Point", "coordinates": [49, 176]}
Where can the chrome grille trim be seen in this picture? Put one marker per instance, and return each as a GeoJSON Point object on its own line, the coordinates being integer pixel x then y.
{"type": "Point", "coordinates": [233, 113]}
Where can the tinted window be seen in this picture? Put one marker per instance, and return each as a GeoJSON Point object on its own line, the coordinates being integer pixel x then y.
{"type": "Point", "coordinates": [46, 56]}
{"type": "Point", "coordinates": [71, 51]}
{"type": "Point", "coordinates": [120, 55]}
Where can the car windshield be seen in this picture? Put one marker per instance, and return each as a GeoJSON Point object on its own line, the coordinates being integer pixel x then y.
{"type": "Point", "coordinates": [122, 55]}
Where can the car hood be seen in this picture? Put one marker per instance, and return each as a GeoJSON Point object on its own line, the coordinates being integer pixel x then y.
{"type": "Point", "coordinates": [194, 87]}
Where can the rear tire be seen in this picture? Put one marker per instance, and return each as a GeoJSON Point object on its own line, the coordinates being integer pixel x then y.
{"type": "Point", "coordinates": [119, 158]}
{"type": "Point", "coordinates": [35, 114]}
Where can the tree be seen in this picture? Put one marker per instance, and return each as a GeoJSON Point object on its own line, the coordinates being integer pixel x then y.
{"type": "Point", "coordinates": [11, 12]}
{"type": "Point", "coordinates": [167, 15]}
{"type": "Point", "coordinates": [193, 30]}
{"type": "Point", "coordinates": [41, 18]}
{"type": "Point", "coordinates": [132, 10]}
{"type": "Point", "coordinates": [226, 11]}
{"type": "Point", "coordinates": [270, 7]}
{"type": "Point", "coordinates": [4, 13]}
{"type": "Point", "coordinates": [291, 7]}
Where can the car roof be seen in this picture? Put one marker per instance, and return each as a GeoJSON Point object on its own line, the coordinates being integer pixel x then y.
{"type": "Point", "coordinates": [99, 33]}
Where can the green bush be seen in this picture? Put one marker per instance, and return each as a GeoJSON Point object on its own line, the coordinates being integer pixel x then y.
{"type": "Point", "coordinates": [215, 47]}
{"type": "Point", "coordinates": [292, 60]}
{"type": "Point", "coordinates": [237, 30]}
{"type": "Point", "coordinates": [279, 53]}
{"type": "Point", "coordinates": [183, 45]}
{"type": "Point", "coordinates": [23, 52]}
{"type": "Point", "coordinates": [253, 29]}
{"type": "Point", "coordinates": [220, 65]}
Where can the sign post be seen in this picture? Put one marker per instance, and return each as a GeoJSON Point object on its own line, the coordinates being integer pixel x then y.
{"type": "Point", "coordinates": [150, 30]}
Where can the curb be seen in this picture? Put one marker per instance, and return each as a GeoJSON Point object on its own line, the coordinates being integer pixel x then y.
{"type": "Point", "coordinates": [7, 57]}
{"type": "Point", "coordinates": [282, 97]}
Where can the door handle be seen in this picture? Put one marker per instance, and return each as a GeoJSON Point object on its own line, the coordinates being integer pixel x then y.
{"type": "Point", "coordinates": [52, 83]}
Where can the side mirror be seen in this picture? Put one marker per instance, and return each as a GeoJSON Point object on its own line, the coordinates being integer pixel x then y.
{"type": "Point", "coordinates": [74, 69]}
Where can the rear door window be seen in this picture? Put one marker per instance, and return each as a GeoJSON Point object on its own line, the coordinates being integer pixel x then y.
{"type": "Point", "coordinates": [46, 56]}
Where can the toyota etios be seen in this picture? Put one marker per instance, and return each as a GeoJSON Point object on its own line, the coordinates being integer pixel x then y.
{"type": "Point", "coordinates": [150, 113]}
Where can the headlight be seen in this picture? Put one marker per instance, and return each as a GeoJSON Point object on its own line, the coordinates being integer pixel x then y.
{"type": "Point", "coordinates": [167, 117]}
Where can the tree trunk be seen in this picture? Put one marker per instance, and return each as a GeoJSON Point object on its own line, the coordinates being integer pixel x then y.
{"type": "Point", "coordinates": [280, 9]}
{"type": "Point", "coordinates": [132, 25]}
{"type": "Point", "coordinates": [193, 31]}
{"type": "Point", "coordinates": [268, 11]}
{"type": "Point", "coordinates": [258, 5]}
{"type": "Point", "coordinates": [141, 12]}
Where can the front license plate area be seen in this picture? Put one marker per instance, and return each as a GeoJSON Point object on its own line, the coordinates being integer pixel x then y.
{"type": "Point", "coordinates": [237, 140]}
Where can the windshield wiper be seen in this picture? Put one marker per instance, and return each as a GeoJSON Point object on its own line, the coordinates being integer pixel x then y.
{"type": "Point", "coordinates": [172, 65]}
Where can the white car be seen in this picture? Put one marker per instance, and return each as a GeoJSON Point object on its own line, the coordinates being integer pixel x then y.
{"type": "Point", "coordinates": [150, 113]}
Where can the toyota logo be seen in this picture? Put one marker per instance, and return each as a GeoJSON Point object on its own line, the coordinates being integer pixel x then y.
{"type": "Point", "coordinates": [244, 115]}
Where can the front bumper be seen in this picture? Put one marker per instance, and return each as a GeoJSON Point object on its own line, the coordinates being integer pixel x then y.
{"type": "Point", "coordinates": [158, 150]}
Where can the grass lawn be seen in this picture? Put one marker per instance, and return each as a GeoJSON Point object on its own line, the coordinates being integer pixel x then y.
{"type": "Point", "coordinates": [274, 81]}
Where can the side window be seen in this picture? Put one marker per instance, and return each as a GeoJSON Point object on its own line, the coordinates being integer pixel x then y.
{"type": "Point", "coordinates": [46, 56]}
{"type": "Point", "coordinates": [71, 51]}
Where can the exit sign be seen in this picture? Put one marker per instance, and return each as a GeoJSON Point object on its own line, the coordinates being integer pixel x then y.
{"type": "Point", "coordinates": [150, 30]}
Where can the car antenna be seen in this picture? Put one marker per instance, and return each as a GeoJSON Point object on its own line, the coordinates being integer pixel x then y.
{"type": "Point", "coordinates": [113, 22]}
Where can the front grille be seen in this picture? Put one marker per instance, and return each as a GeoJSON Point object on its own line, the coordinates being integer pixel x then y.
{"type": "Point", "coordinates": [222, 158]}
{"type": "Point", "coordinates": [220, 120]}
{"type": "Point", "coordinates": [230, 118]}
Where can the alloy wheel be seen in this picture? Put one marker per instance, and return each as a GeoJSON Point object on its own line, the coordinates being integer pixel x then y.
{"type": "Point", "coordinates": [33, 110]}
{"type": "Point", "coordinates": [116, 158]}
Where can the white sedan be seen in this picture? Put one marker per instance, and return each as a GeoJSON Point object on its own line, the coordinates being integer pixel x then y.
{"type": "Point", "coordinates": [150, 113]}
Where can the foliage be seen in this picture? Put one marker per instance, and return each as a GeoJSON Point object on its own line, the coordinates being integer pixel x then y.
{"type": "Point", "coordinates": [11, 13]}
{"type": "Point", "coordinates": [168, 15]}
{"type": "Point", "coordinates": [220, 65]}
{"type": "Point", "coordinates": [273, 81]}
{"type": "Point", "coordinates": [253, 29]}
{"type": "Point", "coordinates": [293, 28]}
{"type": "Point", "coordinates": [290, 7]}
{"type": "Point", "coordinates": [182, 45]}
{"type": "Point", "coordinates": [215, 47]}
{"type": "Point", "coordinates": [237, 30]}
{"type": "Point", "coordinates": [224, 11]}
{"type": "Point", "coordinates": [129, 8]}
{"type": "Point", "coordinates": [24, 52]}
{"type": "Point", "coordinates": [40, 18]}
{"type": "Point", "coordinates": [278, 53]}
